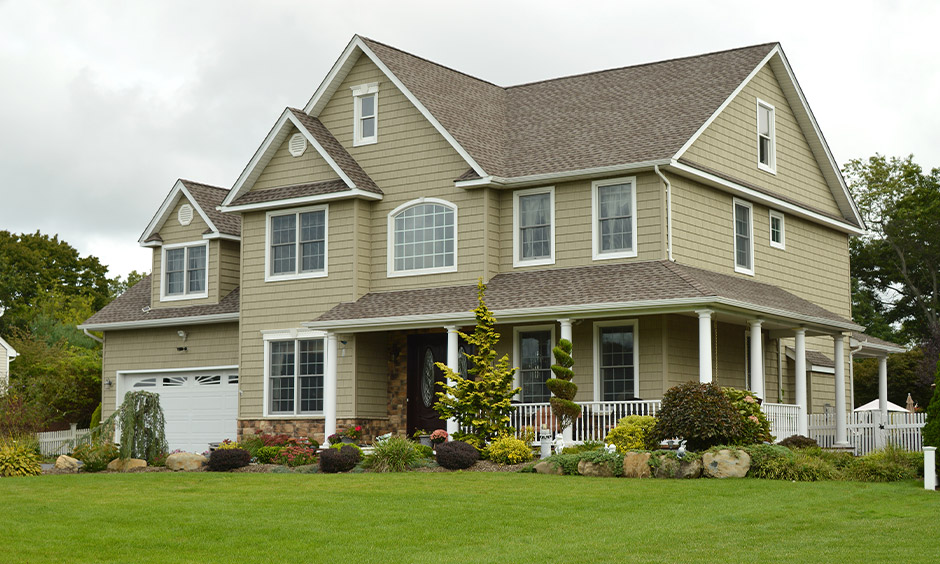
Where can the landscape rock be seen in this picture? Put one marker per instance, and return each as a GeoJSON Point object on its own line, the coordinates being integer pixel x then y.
{"type": "Point", "coordinates": [548, 468]}
{"type": "Point", "coordinates": [668, 467]}
{"type": "Point", "coordinates": [690, 469]}
{"type": "Point", "coordinates": [188, 461]}
{"type": "Point", "coordinates": [119, 465]}
{"type": "Point", "coordinates": [586, 468]}
{"type": "Point", "coordinates": [66, 463]}
{"type": "Point", "coordinates": [726, 464]}
{"type": "Point", "coordinates": [636, 465]}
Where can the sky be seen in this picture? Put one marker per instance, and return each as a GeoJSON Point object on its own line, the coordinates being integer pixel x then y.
{"type": "Point", "coordinates": [104, 104]}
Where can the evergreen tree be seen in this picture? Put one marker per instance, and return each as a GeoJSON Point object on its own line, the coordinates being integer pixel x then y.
{"type": "Point", "coordinates": [931, 430]}
{"type": "Point", "coordinates": [562, 388]}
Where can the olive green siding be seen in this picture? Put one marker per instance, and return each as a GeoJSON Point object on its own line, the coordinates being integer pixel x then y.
{"type": "Point", "coordinates": [285, 169]}
{"type": "Point", "coordinates": [229, 263]}
{"type": "Point", "coordinates": [729, 145]}
{"type": "Point", "coordinates": [372, 375]}
{"type": "Point", "coordinates": [155, 349]}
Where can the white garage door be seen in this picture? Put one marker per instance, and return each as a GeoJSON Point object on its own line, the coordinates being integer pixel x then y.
{"type": "Point", "coordinates": [199, 407]}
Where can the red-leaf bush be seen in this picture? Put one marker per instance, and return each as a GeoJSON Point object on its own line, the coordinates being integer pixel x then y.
{"type": "Point", "coordinates": [701, 414]}
{"type": "Point", "coordinates": [457, 455]}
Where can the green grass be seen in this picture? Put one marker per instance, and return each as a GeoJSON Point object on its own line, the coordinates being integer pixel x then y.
{"type": "Point", "coordinates": [458, 517]}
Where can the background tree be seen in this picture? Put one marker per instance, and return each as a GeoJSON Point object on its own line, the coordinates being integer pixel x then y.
{"type": "Point", "coordinates": [931, 430]}
{"type": "Point", "coordinates": [562, 388]}
{"type": "Point", "coordinates": [903, 379]}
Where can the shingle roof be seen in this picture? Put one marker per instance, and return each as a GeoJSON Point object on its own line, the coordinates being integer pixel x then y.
{"type": "Point", "coordinates": [288, 192]}
{"type": "Point", "coordinates": [590, 285]}
{"type": "Point", "coordinates": [813, 358]}
{"type": "Point", "coordinates": [208, 197]}
{"type": "Point", "coordinates": [612, 117]}
{"type": "Point", "coordinates": [129, 307]}
{"type": "Point", "coordinates": [868, 339]}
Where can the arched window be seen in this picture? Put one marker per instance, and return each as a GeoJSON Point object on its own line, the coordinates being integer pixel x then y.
{"type": "Point", "coordinates": [422, 238]}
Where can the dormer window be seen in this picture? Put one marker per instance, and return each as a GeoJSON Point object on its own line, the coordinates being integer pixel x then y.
{"type": "Point", "coordinates": [766, 137]}
{"type": "Point", "coordinates": [365, 109]}
{"type": "Point", "coordinates": [185, 275]}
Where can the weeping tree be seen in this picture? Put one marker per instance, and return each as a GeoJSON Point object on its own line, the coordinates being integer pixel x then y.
{"type": "Point", "coordinates": [140, 419]}
{"type": "Point", "coordinates": [562, 388]}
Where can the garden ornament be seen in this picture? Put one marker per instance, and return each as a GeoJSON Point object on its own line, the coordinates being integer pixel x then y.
{"type": "Point", "coordinates": [611, 449]}
{"type": "Point", "coordinates": [559, 443]}
{"type": "Point", "coordinates": [680, 454]}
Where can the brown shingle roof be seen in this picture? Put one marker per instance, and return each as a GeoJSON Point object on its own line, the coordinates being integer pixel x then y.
{"type": "Point", "coordinates": [590, 285]}
{"type": "Point", "coordinates": [613, 117]}
{"type": "Point", "coordinates": [129, 306]}
{"type": "Point", "coordinates": [208, 197]}
{"type": "Point", "coordinates": [289, 192]}
{"type": "Point", "coordinates": [864, 338]}
{"type": "Point", "coordinates": [814, 358]}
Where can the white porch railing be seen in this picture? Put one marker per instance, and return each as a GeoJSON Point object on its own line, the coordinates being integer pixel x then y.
{"type": "Point", "coordinates": [784, 419]}
{"type": "Point", "coordinates": [866, 433]}
{"type": "Point", "coordinates": [596, 419]}
{"type": "Point", "coordinates": [59, 442]}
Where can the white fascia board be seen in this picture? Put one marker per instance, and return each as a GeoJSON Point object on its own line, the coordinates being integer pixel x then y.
{"type": "Point", "coordinates": [11, 352]}
{"type": "Point", "coordinates": [337, 74]}
{"type": "Point", "coordinates": [178, 190]}
{"type": "Point", "coordinates": [536, 179]}
{"type": "Point", "coordinates": [316, 145]}
{"type": "Point", "coordinates": [868, 346]}
{"type": "Point", "coordinates": [355, 193]}
{"type": "Point", "coordinates": [261, 157]}
{"type": "Point", "coordinates": [225, 236]}
{"type": "Point", "coordinates": [166, 322]}
{"type": "Point", "coordinates": [755, 196]}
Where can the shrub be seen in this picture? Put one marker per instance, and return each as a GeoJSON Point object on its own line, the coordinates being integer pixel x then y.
{"type": "Point", "coordinates": [567, 462]}
{"type": "Point", "coordinates": [227, 444]}
{"type": "Point", "coordinates": [699, 413]}
{"type": "Point", "coordinates": [890, 464]}
{"type": "Point", "coordinates": [562, 388]}
{"type": "Point", "coordinates": [228, 459]}
{"type": "Point", "coordinates": [96, 416]}
{"type": "Point", "coordinates": [267, 454]}
{"type": "Point", "coordinates": [586, 446]}
{"type": "Point", "coordinates": [508, 450]}
{"type": "Point", "coordinates": [342, 459]}
{"type": "Point", "coordinates": [771, 462]}
{"type": "Point", "coordinates": [18, 460]}
{"type": "Point", "coordinates": [798, 441]}
{"type": "Point", "coordinates": [295, 456]}
{"type": "Point", "coordinates": [424, 451]}
{"type": "Point", "coordinates": [393, 455]}
{"type": "Point", "coordinates": [634, 432]}
{"type": "Point", "coordinates": [339, 446]}
{"type": "Point", "coordinates": [755, 423]}
{"type": "Point", "coordinates": [95, 455]}
{"type": "Point", "coordinates": [457, 455]}
{"type": "Point", "coordinates": [251, 443]}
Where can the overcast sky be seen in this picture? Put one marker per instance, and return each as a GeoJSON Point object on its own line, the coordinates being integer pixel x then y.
{"type": "Point", "coordinates": [103, 105]}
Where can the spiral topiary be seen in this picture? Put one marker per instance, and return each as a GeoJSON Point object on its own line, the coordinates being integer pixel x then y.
{"type": "Point", "coordinates": [562, 388]}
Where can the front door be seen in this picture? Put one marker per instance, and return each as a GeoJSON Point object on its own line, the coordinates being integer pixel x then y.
{"type": "Point", "coordinates": [424, 380]}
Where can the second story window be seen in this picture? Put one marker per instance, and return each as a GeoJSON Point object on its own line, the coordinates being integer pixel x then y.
{"type": "Point", "coordinates": [185, 272]}
{"type": "Point", "coordinates": [422, 238]}
{"type": "Point", "coordinates": [777, 232]}
{"type": "Point", "coordinates": [766, 137]}
{"type": "Point", "coordinates": [296, 244]}
{"type": "Point", "coordinates": [743, 238]}
{"type": "Point", "coordinates": [365, 110]}
{"type": "Point", "coordinates": [534, 227]}
{"type": "Point", "coordinates": [614, 223]}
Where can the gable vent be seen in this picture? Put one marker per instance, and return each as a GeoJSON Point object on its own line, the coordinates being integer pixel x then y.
{"type": "Point", "coordinates": [297, 145]}
{"type": "Point", "coordinates": [185, 215]}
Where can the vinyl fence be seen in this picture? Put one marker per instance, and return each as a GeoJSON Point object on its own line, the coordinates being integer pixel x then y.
{"type": "Point", "coordinates": [59, 442]}
{"type": "Point", "coordinates": [867, 432]}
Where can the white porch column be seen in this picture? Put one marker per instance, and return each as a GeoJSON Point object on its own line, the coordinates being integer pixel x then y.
{"type": "Point", "coordinates": [757, 358]}
{"type": "Point", "coordinates": [453, 361]}
{"type": "Point", "coordinates": [883, 387]}
{"type": "Point", "coordinates": [838, 350]}
{"type": "Point", "coordinates": [329, 387]}
{"type": "Point", "coordinates": [566, 334]}
{"type": "Point", "coordinates": [704, 345]}
{"type": "Point", "coordinates": [800, 360]}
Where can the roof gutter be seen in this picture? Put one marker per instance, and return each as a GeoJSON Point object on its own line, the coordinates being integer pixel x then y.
{"type": "Point", "coordinates": [536, 179]}
{"type": "Point", "coordinates": [92, 337]}
{"type": "Point", "coordinates": [668, 211]}
{"type": "Point", "coordinates": [165, 322]}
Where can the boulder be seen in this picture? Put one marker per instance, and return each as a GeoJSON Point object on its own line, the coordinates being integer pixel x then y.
{"type": "Point", "coordinates": [668, 467]}
{"type": "Point", "coordinates": [187, 461]}
{"type": "Point", "coordinates": [548, 468]}
{"type": "Point", "coordinates": [66, 463]}
{"type": "Point", "coordinates": [636, 465]}
{"type": "Point", "coordinates": [690, 469]}
{"type": "Point", "coordinates": [726, 464]}
{"type": "Point", "coordinates": [586, 468]}
{"type": "Point", "coordinates": [119, 465]}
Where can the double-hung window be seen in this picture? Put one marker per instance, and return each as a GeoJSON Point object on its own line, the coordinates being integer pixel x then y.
{"type": "Point", "coordinates": [766, 137]}
{"type": "Point", "coordinates": [185, 271]}
{"type": "Point", "coordinates": [296, 244]}
{"type": "Point", "coordinates": [777, 230]}
{"type": "Point", "coordinates": [422, 238]}
{"type": "Point", "coordinates": [534, 227]}
{"type": "Point", "coordinates": [295, 376]}
{"type": "Point", "coordinates": [743, 237]}
{"type": "Point", "coordinates": [615, 345]}
{"type": "Point", "coordinates": [535, 364]}
{"type": "Point", "coordinates": [366, 112]}
{"type": "Point", "coordinates": [614, 218]}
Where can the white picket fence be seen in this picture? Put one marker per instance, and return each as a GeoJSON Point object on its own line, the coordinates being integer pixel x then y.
{"type": "Point", "coordinates": [59, 442]}
{"type": "Point", "coordinates": [867, 433]}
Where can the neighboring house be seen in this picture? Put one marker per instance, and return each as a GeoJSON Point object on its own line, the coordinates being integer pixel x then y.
{"type": "Point", "coordinates": [681, 220]}
{"type": "Point", "coordinates": [7, 354]}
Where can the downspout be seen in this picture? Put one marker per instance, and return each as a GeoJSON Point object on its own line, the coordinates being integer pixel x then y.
{"type": "Point", "coordinates": [90, 336]}
{"type": "Point", "coordinates": [668, 212]}
{"type": "Point", "coordinates": [852, 374]}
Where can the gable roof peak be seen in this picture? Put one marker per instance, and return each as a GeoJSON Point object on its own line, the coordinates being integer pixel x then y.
{"type": "Point", "coordinates": [204, 198]}
{"type": "Point", "coordinates": [369, 41]}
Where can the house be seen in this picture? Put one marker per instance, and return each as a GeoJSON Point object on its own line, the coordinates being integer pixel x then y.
{"type": "Point", "coordinates": [7, 354]}
{"type": "Point", "coordinates": [680, 220]}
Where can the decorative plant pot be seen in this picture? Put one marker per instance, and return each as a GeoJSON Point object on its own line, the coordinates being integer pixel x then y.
{"type": "Point", "coordinates": [349, 441]}
{"type": "Point", "coordinates": [425, 440]}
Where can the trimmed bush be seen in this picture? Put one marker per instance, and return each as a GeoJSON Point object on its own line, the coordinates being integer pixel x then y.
{"type": "Point", "coordinates": [342, 459]}
{"type": "Point", "coordinates": [267, 454]}
{"type": "Point", "coordinates": [393, 455]}
{"type": "Point", "coordinates": [17, 459]}
{"type": "Point", "coordinates": [457, 455]}
{"type": "Point", "coordinates": [798, 441]}
{"type": "Point", "coordinates": [633, 432]}
{"type": "Point", "coordinates": [228, 459]}
{"type": "Point", "coordinates": [95, 455]}
{"type": "Point", "coordinates": [508, 450]}
{"type": "Point", "coordinates": [701, 414]}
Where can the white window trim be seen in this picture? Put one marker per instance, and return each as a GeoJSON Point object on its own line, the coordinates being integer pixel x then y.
{"type": "Point", "coordinates": [772, 168]}
{"type": "Point", "coordinates": [295, 335]}
{"type": "Point", "coordinates": [268, 277]}
{"type": "Point", "coordinates": [164, 297]}
{"type": "Point", "coordinates": [633, 323]}
{"type": "Point", "coordinates": [783, 230]}
{"type": "Point", "coordinates": [358, 92]}
{"type": "Point", "coordinates": [596, 253]}
{"type": "Point", "coordinates": [390, 236]}
{"type": "Point", "coordinates": [517, 260]}
{"type": "Point", "coordinates": [734, 236]}
{"type": "Point", "coordinates": [517, 352]}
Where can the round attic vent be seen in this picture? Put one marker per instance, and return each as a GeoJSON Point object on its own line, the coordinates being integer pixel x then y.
{"type": "Point", "coordinates": [297, 145]}
{"type": "Point", "coordinates": [185, 215]}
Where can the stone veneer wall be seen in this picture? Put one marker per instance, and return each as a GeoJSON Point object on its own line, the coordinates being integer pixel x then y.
{"type": "Point", "coordinates": [311, 428]}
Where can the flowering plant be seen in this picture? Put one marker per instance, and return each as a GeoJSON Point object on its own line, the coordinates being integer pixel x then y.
{"type": "Point", "coordinates": [335, 438]}
{"type": "Point", "coordinates": [355, 433]}
{"type": "Point", "coordinates": [439, 436]}
{"type": "Point", "coordinates": [296, 456]}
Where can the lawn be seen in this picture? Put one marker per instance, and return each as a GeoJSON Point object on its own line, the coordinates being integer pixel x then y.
{"type": "Point", "coordinates": [459, 517]}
